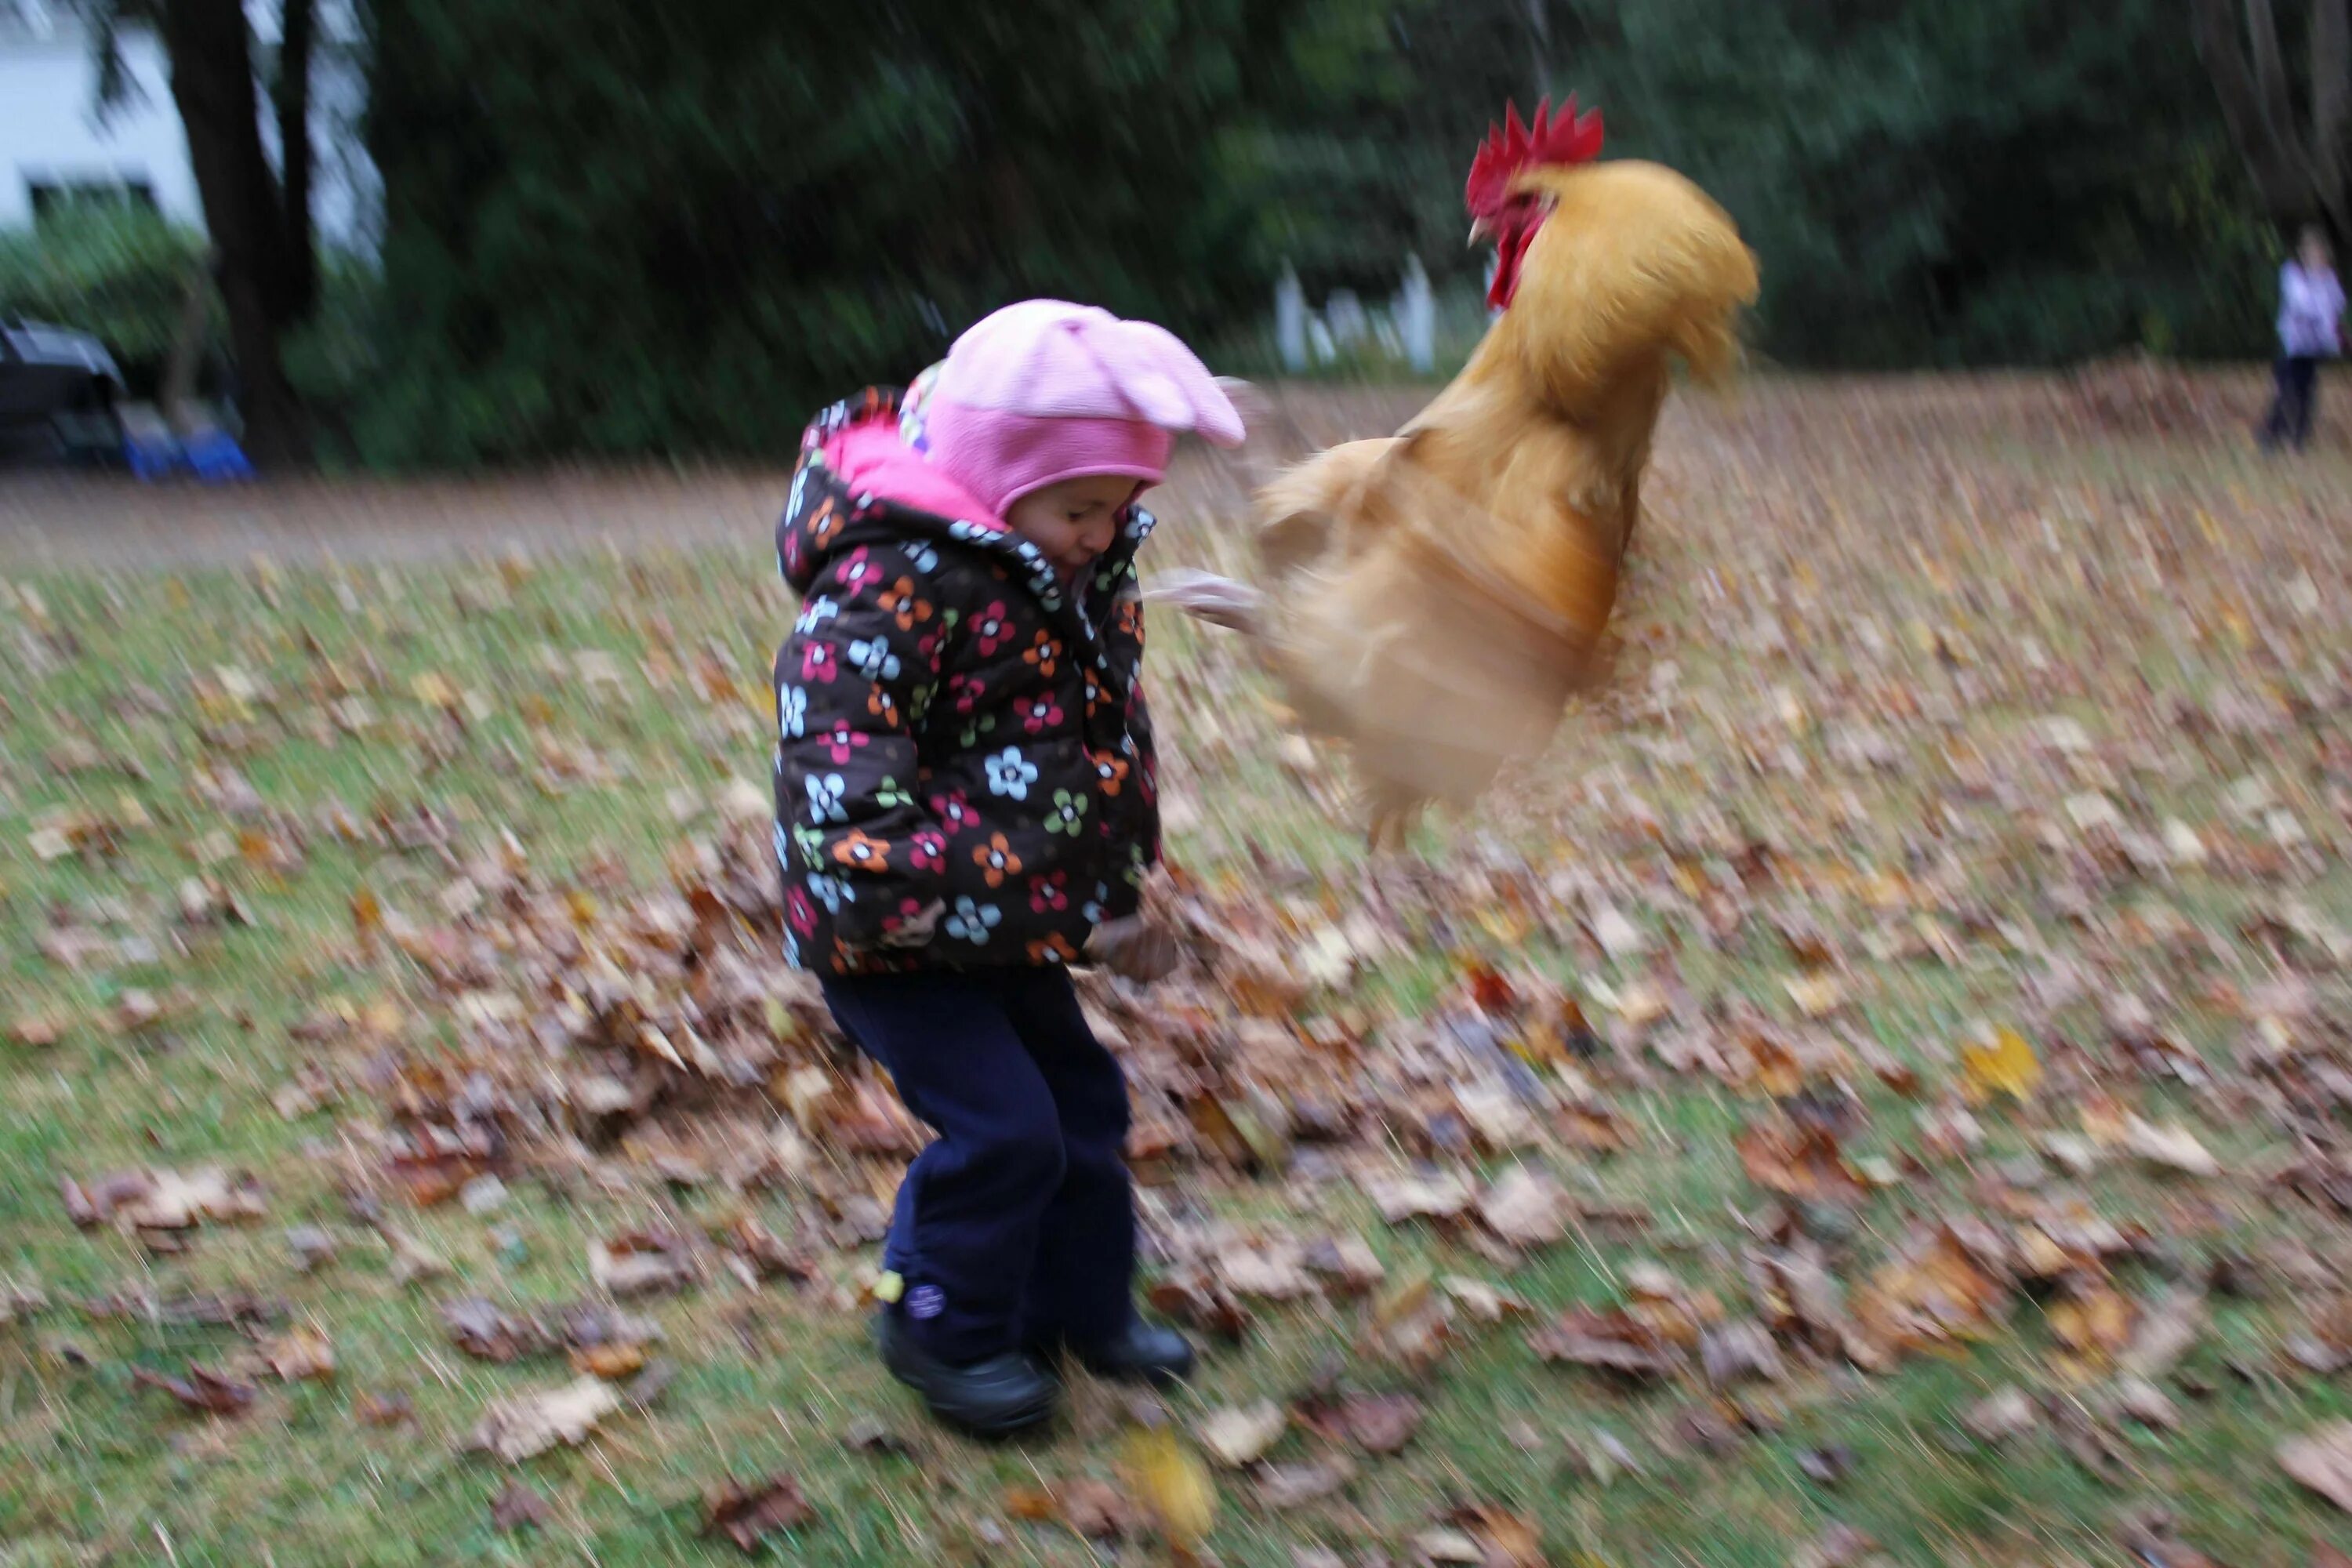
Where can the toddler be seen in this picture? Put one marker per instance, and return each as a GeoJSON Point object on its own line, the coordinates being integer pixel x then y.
{"type": "Point", "coordinates": [965, 808]}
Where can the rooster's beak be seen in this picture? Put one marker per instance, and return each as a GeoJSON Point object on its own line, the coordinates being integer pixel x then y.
{"type": "Point", "coordinates": [1480, 231]}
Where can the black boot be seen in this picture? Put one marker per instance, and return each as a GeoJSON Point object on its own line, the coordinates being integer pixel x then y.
{"type": "Point", "coordinates": [993, 1397]}
{"type": "Point", "coordinates": [1140, 1352]}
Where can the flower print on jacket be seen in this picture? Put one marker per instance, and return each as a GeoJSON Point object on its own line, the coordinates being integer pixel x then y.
{"type": "Point", "coordinates": [861, 852]}
{"type": "Point", "coordinates": [954, 811]}
{"type": "Point", "coordinates": [1040, 713]}
{"type": "Point", "coordinates": [859, 572]}
{"type": "Point", "coordinates": [927, 850]}
{"type": "Point", "coordinates": [792, 711]}
{"type": "Point", "coordinates": [872, 657]}
{"type": "Point", "coordinates": [819, 662]}
{"type": "Point", "coordinates": [800, 914]}
{"type": "Point", "coordinates": [992, 628]}
{"type": "Point", "coordinates": [973, 921]}
{"type": "Point", "coordinates": [814, 614]}
{"type": "Point", "coordinates": [1051, 948]}
{"type": "Point", "coordinates": [908, 608]}
{"type": "Point", "coordinates": [1069, 813]}
{"type": "Point", "coordinates": [1044, 654]}
{"type": "Point", "coordinates": [831, 891]}
{"type": "Point", "coordinates": [841, 742]}
{"type": "Point", "coordinates": [996, 860]}
{"type": "Point", "coordinates": [825, 795]}
{"type": "Point", "coordinates": [1049, 893]}
{"type": "Point", "coordinates": [1010, 774]}
{"type": "Point", "coordinates": [1110, 773]}
{"type": "Point", "coordinates": [967, 690]}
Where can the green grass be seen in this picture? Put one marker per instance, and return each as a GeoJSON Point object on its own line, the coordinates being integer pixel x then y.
{"type": "Point", "coordinates": [98, 1470]}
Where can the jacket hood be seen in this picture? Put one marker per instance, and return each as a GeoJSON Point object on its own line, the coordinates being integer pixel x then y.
{"type": "Point", "coordinates": [861, 482]}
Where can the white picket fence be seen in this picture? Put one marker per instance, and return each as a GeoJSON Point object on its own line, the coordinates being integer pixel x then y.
{"type": "Point", "coordinates": [1404, 329]}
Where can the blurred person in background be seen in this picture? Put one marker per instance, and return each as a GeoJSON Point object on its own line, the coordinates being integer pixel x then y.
{"type": "Point", "coordinates": [2310, 329]}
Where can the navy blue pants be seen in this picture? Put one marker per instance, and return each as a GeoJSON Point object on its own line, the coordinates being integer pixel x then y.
{"type": "Point", "coordinates": [2289, 422]}
{"type": "Point", "coordinates": [1016, 1226]}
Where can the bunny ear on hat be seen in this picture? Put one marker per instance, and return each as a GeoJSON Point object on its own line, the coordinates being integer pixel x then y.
{"type": "Point", "coordinates": [1162, 380]}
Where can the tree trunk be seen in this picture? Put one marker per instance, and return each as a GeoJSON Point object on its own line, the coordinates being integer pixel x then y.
{"type": "Point", "coordinates": [211, 83]}
{"type": "Point", "coordinates": [2298, 162]}
{"type": "Point", "coordinates": [296, 32]}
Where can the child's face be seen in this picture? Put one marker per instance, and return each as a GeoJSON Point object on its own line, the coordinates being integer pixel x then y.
{"type": "Point", "coordinates": [1075, 520]}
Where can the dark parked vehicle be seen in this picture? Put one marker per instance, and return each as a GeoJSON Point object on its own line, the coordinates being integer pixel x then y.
{"type": "Point", "coordinates": [60, 384]}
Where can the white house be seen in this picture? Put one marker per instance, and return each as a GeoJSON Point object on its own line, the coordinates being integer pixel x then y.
{"type": "Point", "coordinates": [57, 143]}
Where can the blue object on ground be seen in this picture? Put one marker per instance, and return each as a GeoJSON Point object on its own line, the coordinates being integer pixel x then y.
{"type": "Point", "coordinates": [151, 456]}
{"type": "Point", "coordinates": [210, 456]}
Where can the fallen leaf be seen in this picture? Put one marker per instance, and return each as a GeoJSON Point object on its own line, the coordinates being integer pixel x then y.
{"type": "Point", "coordinates": [1526, 1207]}
{"type": "Point", "coordinates": [1801, 1162]}
{"type": "Point", "coordinates": [516, 1428]}
{"type": "Point", "coordinates": [2171, 1147]}
{"type": "Point", "coordinates": [1095, 1509]}
{"type": "Point", "coordinates": [1172, 1484]}
{"type": "Point", "coordinates": [517, 1507]}
{"type": "Point", "coordinates": [1840, 1545]}
{"type": "Point", "coordinates": [748, 1514]}
{"type": "Point", "coordinates": [1613, 1343]}
{"type": "Point", "coordinates": [1238, 1436]}
{"type": "Point", "coordinates": [2321, 1459]}
{"type": "Point", "coordinates": [202, 1389]}
{"type": "Point", "coordinates": [640, 1263]}
{"type": "Point", "coordinates": [1484, 1302]}
{"type": "Point", "coordinates": [2167, 1330]}
{"type": "Point", "coordinates": [1502, 1539]}
{"type": "Point", "coordinates": [1379, 1423]}
{"type": "Point", "coordinates": [2142, 1402]}
{"type": "Point", "coordinates": [1998, 1060]}
{"type": "Point", "coordinates": [1401, 1198]}
{"type": "Point", "coordinates": [1291, 1485]}
{"type": "Point", "coordinates": [2000, 1416]}
{"type": "Point", "coordinates": [867, 1435]}
{"type": "Point", "coordinates": [304, 1352]}
{"type": "Point", "coordinates": [1739, 1353]}
{"type": "Point", "coordinates": [382, 1409]}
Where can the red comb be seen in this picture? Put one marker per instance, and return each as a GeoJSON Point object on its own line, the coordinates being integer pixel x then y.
{"type": "Point", "coordinates": [1562, 137]}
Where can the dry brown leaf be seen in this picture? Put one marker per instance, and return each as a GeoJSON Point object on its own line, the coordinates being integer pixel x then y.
{"type": "Point", "coordinates": [1398, 1198]}
{"type": "Point", "coordinates": [1238, 1436]}
{"type": "Point", "coordinates": [748, 1514]}
{"type": "Point", "coordinates": [302, 1352]}
{"type": "Point", "coordinates": [203, 1389]}
{"type": "Point", "coordinates": [1526, 1207]}
{"type": "Point", "coordinates": [517, 1507]}
{"type": "Point", "coordinates": [2171, 1147]}
{"type": "Point", "coordinates": [640, 1263]}
{"type": "Point", "coordinates": [1613, 1343]}
{"type": "Point", "coordinates": [1482, 1302]}
{"type": "Point", "coordinates": [1291, 1485]}
{"type": "Point", "coordinates": [1379, 1423]}
{"type": "Point", "coordinates": [1501, 1538]}
{"type": "Point", "coordinates": [516, 1428]}
{"type": "Point", "coordinates": [1801, 1162]}
{"type": "Point", "coordinates": [2321, 1459]}
{"type": "Point", "coordinates": [2002, 1415]}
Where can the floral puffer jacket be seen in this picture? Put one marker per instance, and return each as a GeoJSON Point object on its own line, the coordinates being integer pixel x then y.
{"type": "Point", "coordinates": [958, 729]}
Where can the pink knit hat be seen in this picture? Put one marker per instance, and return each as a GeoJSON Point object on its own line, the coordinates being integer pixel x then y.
{"type": "Point", "coordinates": [1045, 390]}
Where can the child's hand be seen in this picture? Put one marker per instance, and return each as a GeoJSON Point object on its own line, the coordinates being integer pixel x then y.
{"type": "Point", "coordinates": [1137, 947]}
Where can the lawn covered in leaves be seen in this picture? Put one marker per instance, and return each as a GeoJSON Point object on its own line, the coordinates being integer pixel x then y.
{"type": "Point", "coordinates": [1876, 1092]}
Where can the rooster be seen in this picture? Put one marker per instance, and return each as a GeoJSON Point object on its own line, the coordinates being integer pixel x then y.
{"type": "Point", "coordinates": [1433, 598]}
